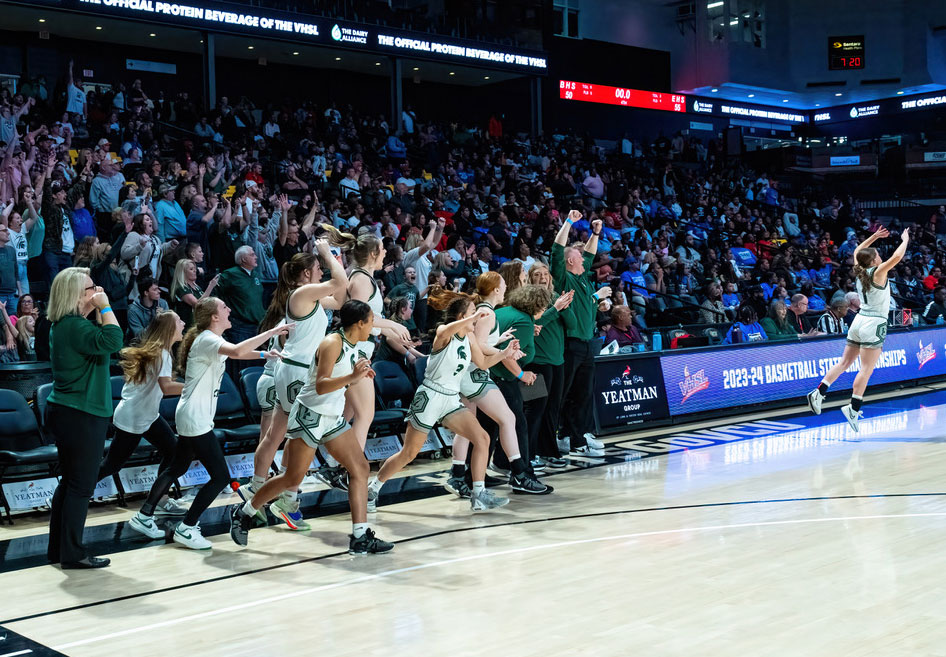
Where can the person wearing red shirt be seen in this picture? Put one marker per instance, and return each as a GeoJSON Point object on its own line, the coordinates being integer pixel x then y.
{"type": "Point", "coordinates": [931, 281]}
{"type": "Point", "coordinates": [255, 173]}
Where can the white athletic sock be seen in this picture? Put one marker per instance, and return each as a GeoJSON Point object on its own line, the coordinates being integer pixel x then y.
{"type": "Point", "coordinates": [358, 529]}
{"type": "Point", "coordinates": [248, 509]}
{"type": "Point", "coordinates": [257, 482]}
{"type": "Point", "coordinates": [456, 462]}
{"type": "Point", "coordinates": [479, 486]}
{"type": "Point", "coordinates": [282, 469]}
{"type": "Point", "coordinates": [512, 457]}
{"type": "Point", "coordinates": [375, 484]}
{"type": "Point", "coordinates": [290, 495]}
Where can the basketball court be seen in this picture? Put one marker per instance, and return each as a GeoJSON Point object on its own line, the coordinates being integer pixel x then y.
{"type": "Point", "coordinates": [781, 534]}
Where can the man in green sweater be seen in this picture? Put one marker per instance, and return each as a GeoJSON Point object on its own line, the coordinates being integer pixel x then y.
{"type": "Point", "coordinates": [570, 272]}
{"type": "Point", "coordinates": [240, 288]}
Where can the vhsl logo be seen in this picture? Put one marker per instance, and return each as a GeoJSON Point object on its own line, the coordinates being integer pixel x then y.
{"type": "Point", "coordinates": [692, 383]}
{"type": "Point", "coordinates": [925, 354]}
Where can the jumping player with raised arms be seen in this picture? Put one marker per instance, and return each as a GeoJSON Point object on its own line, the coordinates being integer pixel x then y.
{"type": "Point", "coordinates": [437, 400]}
{"type": "Point", "coordinates": [865, 337]}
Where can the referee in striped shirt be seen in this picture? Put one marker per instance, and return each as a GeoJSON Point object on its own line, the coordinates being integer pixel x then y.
{"type": "Point", "coordinates": [832, 321]}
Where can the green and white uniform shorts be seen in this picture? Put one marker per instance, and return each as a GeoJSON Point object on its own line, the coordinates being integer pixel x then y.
{"type": "Point", "coordinates": [475, 383]}
{"type": "Point", "coordinates": [266, 393]}
{"type": "Point", "coordinates": [289, 378]}
{"type": "Point", "coordinates": [431, 404]}
{"type": "Point", "coordinates": [314, 428]}
{"type": "Point", "coordinates": [867, 331]}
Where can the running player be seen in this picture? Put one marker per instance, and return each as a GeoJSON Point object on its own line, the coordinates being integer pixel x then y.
{"type": "Point", "coordinates": [148, 368]}
{"type": "Point", "coordinates": [266, 398]}
{"type": "Point", "coordinates": [437, 400]}
{"type": "Point", "coordinates": [365, 255]}
{"type": "Point", "coordinates": [298, 297]}
{"type": "Point", "coordinates": [201, 361]}
{"type": "Point", "coordinates": [317, 419]}
{"type": "Point", "coordinates": [477, 387]}
{"type": "Point", "coordinates": [865, 337]}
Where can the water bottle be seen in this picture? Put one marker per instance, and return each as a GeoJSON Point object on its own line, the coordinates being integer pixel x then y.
{"type": "Point", "coordinates": [656, 341]}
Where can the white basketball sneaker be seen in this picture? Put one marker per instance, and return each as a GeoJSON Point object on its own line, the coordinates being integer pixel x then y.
{"type": "Point", "coordinates": [191, 537]}
{"type": "Point", "coordinates": [815, 398]}
{"type": "Point", "coordinates": [591, 441]}
{"type": "Point", "coordinates": [146, 525]}
{"type": "Point", "coordinates": [853, 417]}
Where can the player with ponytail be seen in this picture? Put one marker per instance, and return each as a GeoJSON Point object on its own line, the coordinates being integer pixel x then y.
{"type": "Point", "coordinates": [201, 360]}
{"type": "Point", "coordinates": [437, 400]}
{"type": "Point", "coordinates": [865, 337]}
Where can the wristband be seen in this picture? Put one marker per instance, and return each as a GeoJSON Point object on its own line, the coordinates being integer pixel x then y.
{"type": "Point", "coordinates": [106, 309]}
{"type": "Point", "coordinates": [570, 221]}
{"type": "Point", "coordinates": [262, 355]}
{"type": "Point", "coordinates": [519, 376]}
{"type": "Point", "coordinates": [596, 297]}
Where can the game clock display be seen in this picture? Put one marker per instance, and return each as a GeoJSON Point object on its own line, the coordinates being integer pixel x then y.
{"type": "Point", "coordinates": [600, 93]}
{"type": "Point", "coordinates": [845, 53]}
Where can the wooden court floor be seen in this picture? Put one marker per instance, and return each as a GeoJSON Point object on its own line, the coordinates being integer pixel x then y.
{"type": "Point", "coordinates": [780, 536]}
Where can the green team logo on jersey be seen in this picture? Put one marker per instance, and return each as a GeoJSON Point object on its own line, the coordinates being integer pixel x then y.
{"type": "Point", "coordinates": [461, 354]}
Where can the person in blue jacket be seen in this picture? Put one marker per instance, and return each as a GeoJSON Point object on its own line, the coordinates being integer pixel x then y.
{"type": "Point", "coordinates": [747, 328]}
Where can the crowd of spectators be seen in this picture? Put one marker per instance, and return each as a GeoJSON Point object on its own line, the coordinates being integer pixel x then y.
{"type": "Point", "coordinates": [166, 204]}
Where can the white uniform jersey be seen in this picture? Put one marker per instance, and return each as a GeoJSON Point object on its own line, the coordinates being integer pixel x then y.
{"type": "Point", "coordinates": [494, 334]}
{"type": "Point", "coordinates": [270, 367]}
{"type": "Point", "coordinates": [305, 338]}
{"type": "Point", "coordinates": [875, 302]}
{"type": "Point", "coordinates": [195, 411]}
{"type": "Point", "coordinates": [330, 403]}
{"type": "Point", "coordinates": [141, 402]}
{"type": "Point", "coordinates": [375, 301]}
{"type": "Point", "coordinates": [446, 367]}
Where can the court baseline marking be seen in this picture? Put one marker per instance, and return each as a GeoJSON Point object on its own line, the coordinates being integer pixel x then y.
{"type": "Point", "coordinates": [474, 557]}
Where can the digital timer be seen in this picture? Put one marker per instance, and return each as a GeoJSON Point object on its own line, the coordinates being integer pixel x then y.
{"type": "Point", "coordinates": [842, 63]}
{"type": "Point", "coordinates": [845, 53]}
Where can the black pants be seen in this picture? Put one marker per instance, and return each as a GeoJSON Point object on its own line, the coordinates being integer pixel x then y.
{"type": "Point", "coordinates": [104, 223]}
{"type": "Point", "coordinates": [542, 413]}
{"type": "Point", "coordinates": [80, 440]}
{"type": "Point", "coordinates": [420, 314]}
{"type": "Point", "coordinates": [207, 450]}
{"type": "Point", "coordinates": [578, 388]}
{"type": "Point", "coordinates": [237, 333]}
{"type": "Point", "coordinates": [513, 397]}
{"type": "Point", "coordinates": [124, 444]}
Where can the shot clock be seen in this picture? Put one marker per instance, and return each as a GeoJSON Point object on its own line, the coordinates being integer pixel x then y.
{"type": "Point", "coordinates": [845, 52]}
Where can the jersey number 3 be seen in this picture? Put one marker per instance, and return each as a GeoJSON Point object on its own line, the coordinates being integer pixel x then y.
{"type": "Point", "coordinates": [461, 354]}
